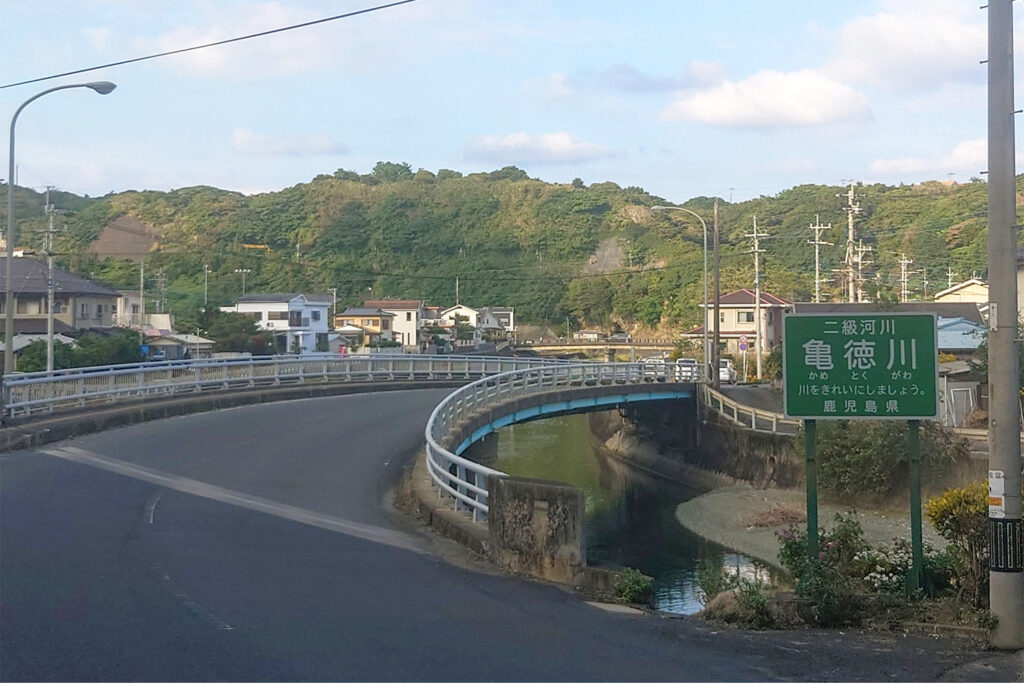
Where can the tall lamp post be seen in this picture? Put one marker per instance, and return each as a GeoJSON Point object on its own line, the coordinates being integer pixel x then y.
{"type": "Point", "coordinates": [708, 371]}
{"type": "Point", "coordinates": [243, 272]}
{"type": "Point", "coordinates": [103, 88]}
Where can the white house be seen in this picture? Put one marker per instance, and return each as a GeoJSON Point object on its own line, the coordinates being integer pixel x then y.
{"type": "Point", "coordinates": [470, 314]}
{"type": "Point", "coordinates": [298, 322]}
{"type": "Point", "coordinates": [405, 325]}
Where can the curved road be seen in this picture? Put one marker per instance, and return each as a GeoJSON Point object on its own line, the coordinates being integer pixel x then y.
{"type": "Point", "coordinates": [257, 544]}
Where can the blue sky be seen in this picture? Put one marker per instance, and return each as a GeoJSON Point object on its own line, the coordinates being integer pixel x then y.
{"type": "Point", "coordinates": [681, 97]}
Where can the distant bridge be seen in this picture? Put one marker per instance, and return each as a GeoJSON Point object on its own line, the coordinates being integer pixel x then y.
{"type": "Point", "coordinates": [604, 345]}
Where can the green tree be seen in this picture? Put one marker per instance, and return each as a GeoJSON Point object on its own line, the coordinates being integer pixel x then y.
{"type": "Point", "coordinates": [33, 356]}
{"type": "Point", "coordinates": [390, 172]}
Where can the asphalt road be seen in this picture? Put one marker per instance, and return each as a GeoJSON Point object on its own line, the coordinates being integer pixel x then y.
{"type": "Point", "coordinates": [171, 551]}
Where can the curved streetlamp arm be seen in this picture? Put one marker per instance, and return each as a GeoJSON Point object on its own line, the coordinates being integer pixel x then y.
{"type": "Point", "coordinates": [103, 88]}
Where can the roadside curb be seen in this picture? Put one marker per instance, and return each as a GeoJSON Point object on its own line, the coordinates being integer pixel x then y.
{"type": "Point", "coordinates": [435, 512]}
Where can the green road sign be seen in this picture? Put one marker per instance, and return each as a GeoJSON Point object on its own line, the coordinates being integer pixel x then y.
{"type": "Point", "coordinates": [860, 365]}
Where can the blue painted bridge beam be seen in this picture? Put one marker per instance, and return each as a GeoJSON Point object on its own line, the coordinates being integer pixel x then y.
{"type": "Point", "coordinates": [572, 405]}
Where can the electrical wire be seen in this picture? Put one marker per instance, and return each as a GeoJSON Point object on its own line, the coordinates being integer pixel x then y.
{"type": "Point", "coordinates": [214, 44]}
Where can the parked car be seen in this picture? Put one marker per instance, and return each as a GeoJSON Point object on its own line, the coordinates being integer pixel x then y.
{"type": "Point", "coordinates": [726, 371]}
{"type": "Point", "coordinates": [655, 368]}
{"type": "Point", "coordinates": [687, 370]}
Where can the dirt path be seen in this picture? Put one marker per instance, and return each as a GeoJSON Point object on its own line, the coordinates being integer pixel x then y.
{"type": "Point", "coordinates": [728, 516]}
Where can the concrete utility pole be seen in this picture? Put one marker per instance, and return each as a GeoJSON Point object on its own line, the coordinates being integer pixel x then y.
{"type": "Point", "coordinates": [950, 274]}
{"type": "Point", "coordinates": [1006, 573]}
{"type": "Point", "coordinates": [852, 209]}
{"type": "Point", "coordinates": [924, 274]}
{"type": "Point", "coordinates": [758, 345]}
{"type": "Point", "coordinates": [50, 285]}
{"type": "Point", "coordinates": [861, 262]}
{"type": "Point", "coordinates": [904, 262]}
{"type": "Point", "coordinates": [715, 379]}
{"type": "Point", "coordinates": [818, 228]}
{"type": "Point", "coordinates": [206, 285]}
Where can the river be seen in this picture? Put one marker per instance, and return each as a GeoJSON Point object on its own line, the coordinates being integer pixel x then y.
{"type": "Point", "coordinates": [630, 517]}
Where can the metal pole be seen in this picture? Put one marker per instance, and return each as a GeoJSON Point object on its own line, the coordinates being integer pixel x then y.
{"type": "Point", "coordinates": [103, 88]}
{"type": "Point", "coordinates": [49, 288]}
{"type": "Point", "coordinates": [715, 379]}
{"type": "Point", "coordinates": [206, 284]}
{"type": "Point", "coordinates": [916, 539]}
{"type": "Point", "coordinates": [811, 469]}
{"type": "Point", "coordinates": [1006, 578]}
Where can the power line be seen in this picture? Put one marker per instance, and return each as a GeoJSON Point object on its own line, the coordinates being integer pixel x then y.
{"type": "Point", "coordinates": [214, 44]}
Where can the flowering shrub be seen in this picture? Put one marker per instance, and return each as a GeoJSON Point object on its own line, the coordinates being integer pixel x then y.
{"type": "Point", "coordinates": [837, 546]}
{"type": "Point", "coordinates": [960, 515]}
{"type": "Point", "coordinates": [884, 569]}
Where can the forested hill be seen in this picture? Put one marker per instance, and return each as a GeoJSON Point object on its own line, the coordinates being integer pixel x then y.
{"type": "Point", "coordinates": [592, 254]}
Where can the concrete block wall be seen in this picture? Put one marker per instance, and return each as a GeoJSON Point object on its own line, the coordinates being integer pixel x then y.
{"type": "Point", "coordinates": [535, 527]}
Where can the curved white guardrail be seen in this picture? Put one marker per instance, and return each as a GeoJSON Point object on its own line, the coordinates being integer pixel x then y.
{"type": "Point", "coordinates": [465, 480]}
{"type": "Point", "coordinates": [42, 392]}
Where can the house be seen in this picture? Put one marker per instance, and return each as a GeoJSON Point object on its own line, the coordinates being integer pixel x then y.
{"type": "Point", "coordinates": [969, 311]}
{"type": "Point", "coordinates": [471, 315]}
{"type": "Point", "coordinates": [178, 346]}
{"type": "Point", "coordinates": [374, 324]}
{"type": "Point", "coordinates": [736, 319]}
{"type": "Point", "coordinates": [298, 322]}
{"type": "Point", "coordinates": [78, 303]}
{"type": "Point", "coordinates": [958, 336]}
{"type": "Point", "coordinates": [588, 335]}
{"type": "Point", "coordinates": [973, 290]}
{"type": "Point", "coordinates": [503, 316]}
{"type": "Point", "coordinates": [405, 325]}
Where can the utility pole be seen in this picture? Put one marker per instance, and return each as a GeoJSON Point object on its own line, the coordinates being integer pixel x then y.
{"type": "Point", "coordinates": [757, 295]}
{"type": "Point", "coordinates": [243, 272]}
{"type": "Point", "coordinates": [206, 285]}
{"type": "Point", "coordinates": [950, 274]}
{"type": "Point", "coordinates": [715, 378]}
{"type": "Point", "coordinates": [818, 228]}
{"type": "Point", "coordinates": [852, 209]}
{"type": "Point", "coordinates": [1006, 573]}
{"type": "Point", "coordinates": [904, 262]}
{"type": "Point", "coordinates": [456, 291]}
{"type": "Point", "coordinates": [924, 272]}
{"type": "Point", "coordinates": [334, 304]}
{"type": "Point", "coordinates": [161, 291]}
{"type": "Point", "coordinates": [861, 251]}
{"type": "Point", "coordinates": [50, 284]}
{"type": "Point", "coordinates": [142, 299]}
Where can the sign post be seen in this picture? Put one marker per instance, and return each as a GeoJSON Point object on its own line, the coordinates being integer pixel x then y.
{"type": "Point", "coordinates": [879, 366]}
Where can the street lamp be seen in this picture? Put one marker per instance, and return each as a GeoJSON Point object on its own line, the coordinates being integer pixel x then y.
{"type": "Point", "coordinates": [708, 371]}
{"type": "Point", "coordinates": [103, 88]}
{"type": "Point", "coordinates": [243, 272]}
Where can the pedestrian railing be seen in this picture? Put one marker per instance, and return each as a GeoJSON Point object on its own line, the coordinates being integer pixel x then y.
{"type": "Point", "coordinates": [747, 416]}
{"type": "Point", "coordinates": [465, 481]}
{"type": "Point", "coordinates": [42, 392]}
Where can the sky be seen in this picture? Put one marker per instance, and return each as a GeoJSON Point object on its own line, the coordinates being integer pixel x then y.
{"type": "Point", "coordinates": [685, 98]}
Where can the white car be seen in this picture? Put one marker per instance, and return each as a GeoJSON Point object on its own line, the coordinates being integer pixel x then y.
{"type": "Point", "coordinates": [687, 370]}
{"type": "Point", "coordinates": [726, 371]}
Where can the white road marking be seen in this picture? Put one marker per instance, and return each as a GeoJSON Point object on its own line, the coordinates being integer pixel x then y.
{"type": "Point", "coordinates": [151, 506]}
{"type": "Point", "coordinates": [175, 482]}
{"type": "Point", "coordinates": [189, 601]}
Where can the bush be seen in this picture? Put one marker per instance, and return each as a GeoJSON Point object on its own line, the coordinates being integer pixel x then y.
{"type": "Point", "coordinates": [754, 605]}
{"type": "Point", "coordinates": [837, 547]}
{"type": "Point", "coordinates": [960, 515]}
{"type": "Point", "coordinates": [870, 457]}
{"type": "Point", "coordinates": [633, 586]}
{"type": "Point", "coordinates": [833, 602]}
{"type": "Point", "coordinates": [712, 579]}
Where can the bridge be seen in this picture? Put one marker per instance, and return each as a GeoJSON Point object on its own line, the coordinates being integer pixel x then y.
{"type": "Point", "coordinates": [257, 544]}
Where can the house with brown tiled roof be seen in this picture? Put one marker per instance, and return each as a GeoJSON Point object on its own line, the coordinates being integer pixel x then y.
{"type": "Point", "coordinates": [736, 320]}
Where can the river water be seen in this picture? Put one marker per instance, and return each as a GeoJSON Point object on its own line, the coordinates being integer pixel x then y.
{"type": "Point", "coordinates": [630, 516]}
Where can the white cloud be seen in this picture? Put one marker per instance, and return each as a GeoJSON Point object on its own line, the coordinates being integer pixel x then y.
{"type": "Point", "coordinates": [248, 142]}
{"type": "Point", "coordinates": [968, 154]}
{"type": "Point", "coordinates": [554, 86]}
{"type": "Point", "coordinates": [915, 44]}
{"type": "Point", "coordinates": [521, 148]}
{"type": "Point", "coordinates": [772, 99]}
{"type": "Point", "coordinates": [622, 78]}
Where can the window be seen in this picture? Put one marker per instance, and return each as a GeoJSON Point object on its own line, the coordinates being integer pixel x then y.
{"type": "Point", "coordinates": [99, 311]}
{"type": "Point", "coordinates": [314, 315]}
{"type": "Point", "coordinates": [295, 319]}
{"type": "Point", "coordinates": [744, 316]}
{"type": "Point", "coordinates": [83, 311]}
{"type": "Point", "coordinates": [408, 316]}
{"type": "Point", "coordinates": [385, 324]}
{"type": "Point", "coordinates": [277, 315]}
{"type": "Point", "coordinates": [368, 322]}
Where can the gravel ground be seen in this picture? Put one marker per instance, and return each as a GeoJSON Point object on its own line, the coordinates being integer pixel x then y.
{"type": "Point", "coordinates": [728, 516]}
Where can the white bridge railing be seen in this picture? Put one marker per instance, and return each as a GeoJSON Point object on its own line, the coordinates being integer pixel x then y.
{"type": "Point", "coordinates": [42, 392]}
{"type": "Point", "coordinates": [466, 481]}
